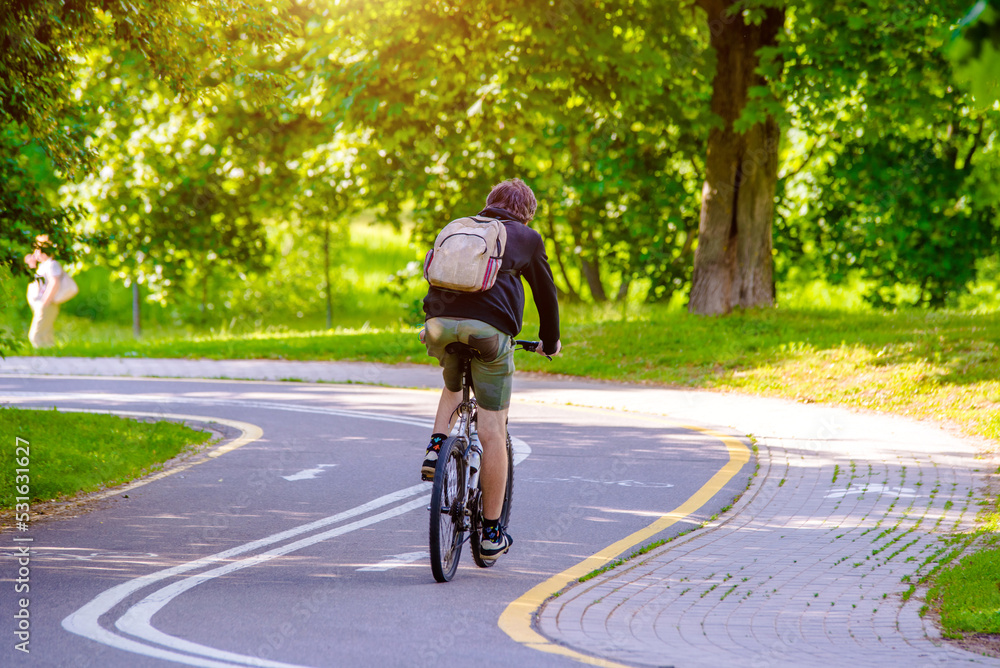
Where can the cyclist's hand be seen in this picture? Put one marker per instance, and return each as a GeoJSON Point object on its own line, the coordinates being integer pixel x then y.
{"type": "Point", "coordinates": [540, 351]}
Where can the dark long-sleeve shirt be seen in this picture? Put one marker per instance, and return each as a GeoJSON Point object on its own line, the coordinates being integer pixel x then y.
{"type": "Point", "coordinates": [503, 305]}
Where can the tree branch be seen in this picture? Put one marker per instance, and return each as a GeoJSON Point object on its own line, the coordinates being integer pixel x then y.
{"type": "Point", "coordinates": [967, 165]}
{"type": "Point", "coordinates": [805, 161]}
{"type": "Point", "coordinates": [714, 8]}
{"type": "Point", "coordinates": [559, 260]}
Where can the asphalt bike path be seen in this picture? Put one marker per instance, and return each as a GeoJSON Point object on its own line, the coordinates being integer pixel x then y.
{"type": "Point", "coordinates": [306, 545]}
{"type": "Point", "coordinates": [808, 568]}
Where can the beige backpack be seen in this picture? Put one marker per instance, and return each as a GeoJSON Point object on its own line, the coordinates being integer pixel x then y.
{"type": "Point", "coordinates": [467, 255]}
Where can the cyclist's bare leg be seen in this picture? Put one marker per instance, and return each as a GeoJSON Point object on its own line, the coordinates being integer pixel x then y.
{"type": "Point", "coordinates": [446, 415]}
{"type": "Point", "coordinates": [493, 436]}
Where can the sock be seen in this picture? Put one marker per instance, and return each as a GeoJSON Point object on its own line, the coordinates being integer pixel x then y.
{"type": "Point", "coordinates": [437, 440]}
{"type": "Point", "coordinates": [491, 527]}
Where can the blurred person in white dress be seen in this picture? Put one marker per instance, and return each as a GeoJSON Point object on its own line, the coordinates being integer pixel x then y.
{"type": "Point", "coordinates": [42, 297]}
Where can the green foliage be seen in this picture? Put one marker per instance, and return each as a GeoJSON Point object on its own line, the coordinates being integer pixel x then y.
{"type": "Point", "coordinates": [81, 452]}
{"type": "Point", "coordinates": [894, 181]}
{"type": "Point", "coordinates": [47, 123]}
{"type": "Point", "coordinates": [975, 52]}
{"type": "Point", "coordinates": [9, 295]}
{"type": "Point", "coordinates": [203, 132]}
{"type": "Point", "coordinates": [462, 97]}
{"type": "Point", "coordinates": [171, 197]}
{"type": "Point", "coordinates": [983, 295]}
{"type": "Point", "coordinates": [902, 212]}
{"type": "Point", "coordinates": [27, 207]}
{"type": "Point", "coordinates": [43, 40]}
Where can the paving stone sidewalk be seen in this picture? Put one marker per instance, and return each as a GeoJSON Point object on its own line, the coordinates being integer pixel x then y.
{"type": "Point", "coordinates": [811, 565]}
{"type": "Point", "coordinates": [808, 569]}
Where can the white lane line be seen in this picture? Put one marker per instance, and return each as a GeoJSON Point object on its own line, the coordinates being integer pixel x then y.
{"type": "Point", "coordinates": [395, 562]}
{"type": "Point", "coordinates": [307, 474]}
{"type": "Point", "coordinates": [137, 621]}
{"type": "Point", "coordinates": [202, 401]}
{"type": "Point", "coordinates": [85, 621]}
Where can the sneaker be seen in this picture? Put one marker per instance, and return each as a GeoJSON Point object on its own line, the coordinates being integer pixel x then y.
{"type": "Point", "coordinates": [430, 463]}
{"type": "Point", "coordinates": [494, 543]}
{"type": "Point", "coordinates": [431, 458]}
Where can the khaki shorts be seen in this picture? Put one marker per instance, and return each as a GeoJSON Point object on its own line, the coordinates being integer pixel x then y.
{"type": "Point", "coordinates": [492, 370]}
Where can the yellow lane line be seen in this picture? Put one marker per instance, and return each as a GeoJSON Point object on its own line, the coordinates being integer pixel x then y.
{"type": "Point", "coordinates": [248, 434]}
{"type": "Point", "coordinates": [516, 620]}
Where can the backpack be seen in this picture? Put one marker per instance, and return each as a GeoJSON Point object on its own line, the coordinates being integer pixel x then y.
{"type": "Point", "coordinates": [67, 289]}
{"type": "Point", "coordinates": [467, 255]}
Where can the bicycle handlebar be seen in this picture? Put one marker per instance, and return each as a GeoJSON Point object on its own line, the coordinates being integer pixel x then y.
{"type": "Point", "coordinates": [530, 346]}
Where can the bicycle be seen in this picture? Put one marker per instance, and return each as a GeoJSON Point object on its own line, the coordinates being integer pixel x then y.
{"type": "Point", "coordinates": [456, 498]}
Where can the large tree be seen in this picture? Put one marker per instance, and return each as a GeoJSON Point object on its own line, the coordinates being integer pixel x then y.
{"type": "Point", "coordinates": [733, 264]}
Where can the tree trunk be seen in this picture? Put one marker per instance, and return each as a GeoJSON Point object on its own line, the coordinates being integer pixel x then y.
{"type": "Point", "coordinates": [203, 307]}
{"type": "Point", "coordinates": [326, 274]}
{"type": "Point", "coordinates": [732, 263]}
{"type": "Point", "coordinates": [592, 272]}
{"type": "Point", "coordinates": [590, 269]}
{"type": "Point", "coordinates": [623, 290]}
{"type": "Point", "coordinates": [571, 292]}
{"type": "Point", "coordinates": [136, 309]}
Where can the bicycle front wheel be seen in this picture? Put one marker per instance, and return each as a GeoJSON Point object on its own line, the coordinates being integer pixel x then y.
{"type": "Point", "coordinates": [447, 510]}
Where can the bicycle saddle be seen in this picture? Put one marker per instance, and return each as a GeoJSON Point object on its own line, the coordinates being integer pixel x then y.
{"type": "Point", "coordinates": [459, 348]}
{"type": "Point", "coordinates": [485, 349]}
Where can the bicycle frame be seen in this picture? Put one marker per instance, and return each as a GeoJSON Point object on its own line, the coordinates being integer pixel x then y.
{"type": "Point", "coordinates": [456, 499]}
{"type": "Point", "coordinates": [467, 413]}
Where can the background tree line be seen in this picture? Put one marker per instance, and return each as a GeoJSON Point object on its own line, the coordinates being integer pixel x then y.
{"type": "Point", "coordinates": [701, 149]}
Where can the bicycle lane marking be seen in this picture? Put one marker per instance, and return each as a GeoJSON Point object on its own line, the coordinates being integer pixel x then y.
{"type": "Point", "coordinates": [516, 619]}
{"type": "Point", "coordinates": [136, 621]}
{"type": "Point", "coordinates": [79, 622]}
{"type": "Point", "coordinates": [85, 621]}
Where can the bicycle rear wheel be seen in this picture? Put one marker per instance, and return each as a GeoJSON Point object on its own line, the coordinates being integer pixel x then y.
{"type": "Point", "coordinates": [447, 510]}
{"type": "Point", "coordinates": [477, 520]}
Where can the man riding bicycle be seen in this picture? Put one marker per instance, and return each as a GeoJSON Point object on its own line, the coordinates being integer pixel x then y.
{"type": "Point", "coordinates": [488, 321]}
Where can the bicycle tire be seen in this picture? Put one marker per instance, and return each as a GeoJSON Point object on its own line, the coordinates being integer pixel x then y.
{"type": "Point", "coordinates": [447, 511]}
{"type": "Point", "coordinates": [508, 499]}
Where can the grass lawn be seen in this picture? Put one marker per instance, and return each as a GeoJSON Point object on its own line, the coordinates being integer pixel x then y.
{"type": "Point", "coordinates": [69, 453]}
{"type": "Point", "coordinates": [967, 596]}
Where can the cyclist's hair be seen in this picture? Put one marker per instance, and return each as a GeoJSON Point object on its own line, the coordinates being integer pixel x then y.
{"type": "Point", "coordinates": [515, 196]}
